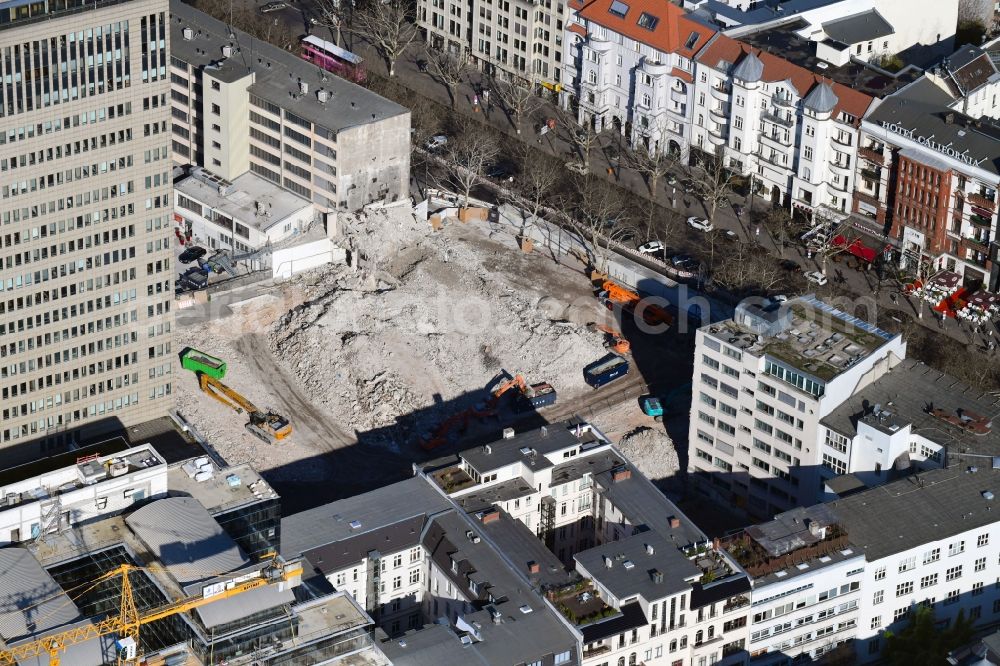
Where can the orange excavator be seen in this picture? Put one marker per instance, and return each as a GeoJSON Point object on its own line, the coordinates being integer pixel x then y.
{"type": "Point", "coordinates": [615, 342]}
{"type": "Point", "coordinates": [631, 301]}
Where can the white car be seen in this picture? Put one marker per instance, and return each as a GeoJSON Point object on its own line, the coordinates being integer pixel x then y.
{"type": "Point", "coordinates": [272, 7]}
{"type": "Point", "coordinates": [700, 223]}
{"type": "Point", "coordinates": [652, 247]}
{"type": "Point", "coordinates": [816, 278]}
{"type": "Point", "coordinates": [436, 142]}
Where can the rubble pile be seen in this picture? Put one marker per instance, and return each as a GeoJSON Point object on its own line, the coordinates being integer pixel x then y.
{"type": "Point", "coordinates": [652, 451]}
{"type": "Point", "coordinates": [425, 325]}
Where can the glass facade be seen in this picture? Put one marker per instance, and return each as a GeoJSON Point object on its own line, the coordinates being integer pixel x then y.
{"type": "Point", "coordinates": [256, 527]}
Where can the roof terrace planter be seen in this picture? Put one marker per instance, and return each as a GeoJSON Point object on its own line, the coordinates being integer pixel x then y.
{"type": "Point", "coordinates": [581, 604]}
{"type": "Point", "coordinates": [757, 562]}
{"type": "Point", "coordinates": [453, 479]}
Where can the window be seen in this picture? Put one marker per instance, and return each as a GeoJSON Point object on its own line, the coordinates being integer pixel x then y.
{"type": "Point", "coordinates": [807, 153]}
{"type": "Point", "coordinates": [982, 540]}
{"type": "Point", "coordinates": [837, 466]}
{"type": "Point", "coordinates": [737, 143]}
{"type": "Point", "coordinates": [956, 548]}
{"type": "Point", "coordinates": [899, 614]}
{"type": "Point", "coordinates": [215, 85]}
{"type": "Point", "coordinates": [953, 573]}
{"type": "Point", "coordinates": [928, 581]}
{"type": "Point", "coordinates": [414, 576]}
{"type": "Point", "coordinates": [216, 110]}
{"type": "Point", "coordinates": [907, 564]}
{"type": "Point", "coordinates": [977, 589]}
{"type": "Point", "coordinates": [904, 588]}
{"type": "Point", "coordinates": [952, 598]}
{"type": "Point", "coordinates": [876, 622]}
{"type": "Point", "coordinates": [738, 122]}
{"type": "Point", "coordinates": [980, 564]}
{"type": "Point", "coordinates": [932, 556]}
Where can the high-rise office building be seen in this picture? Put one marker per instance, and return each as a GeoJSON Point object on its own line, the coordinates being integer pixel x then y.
{"type": "Point", "coordinates": [85, 230]}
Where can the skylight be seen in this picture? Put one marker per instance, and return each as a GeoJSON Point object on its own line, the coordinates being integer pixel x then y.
{"type": "Point", "coordinates": [691, 41]}
{"type": "Point", "coordinates": [618, 8]}
{"type": "Point", "coordinates": [648, 21]}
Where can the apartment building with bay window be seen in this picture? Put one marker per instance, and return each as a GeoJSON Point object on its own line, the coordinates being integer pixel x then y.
{"type": "Point", "coordinates": [85, 264]}
{"type": "Point", "coordinates": [239, 105]}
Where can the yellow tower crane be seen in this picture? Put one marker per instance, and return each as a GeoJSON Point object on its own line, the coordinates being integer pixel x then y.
{"type": "Point", "coordinates": [128, 621]}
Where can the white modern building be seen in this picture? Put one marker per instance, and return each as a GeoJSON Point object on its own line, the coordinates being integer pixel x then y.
{"type": "Point", "coordinates": [243, 215]}
{"type": "Point", "coordinates": [762, 383]}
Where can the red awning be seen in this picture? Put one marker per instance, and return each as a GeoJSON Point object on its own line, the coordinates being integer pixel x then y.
{"type": "Point", "coordinates": [982, 212]}
{"type": "Point", "coordinates": [857, 248]}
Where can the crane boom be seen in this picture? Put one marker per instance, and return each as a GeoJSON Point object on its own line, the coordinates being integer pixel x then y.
{"type": "Point", "coordinates": [128, 621]}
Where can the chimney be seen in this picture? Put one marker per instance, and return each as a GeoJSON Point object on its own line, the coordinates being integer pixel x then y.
{"type": "Point", "coordinates": [188, 34]}
{"type": "Point", "coordinates": [649, 549]}
{"type": "Point", "coordinates": [491, 517]}
{"type": "Point", "coordinates": [675, 522]}
{"type": "Point", "coordinates": [487, 449]}
{"type": "Point", "coordinates": [949, 118]}
{"type": "Point", "coordinates": [608, 562]}
{"type": "Point", "coordinates": [621, 474]}
{"type": "Point", "coordinates": [656, 575]}
{"type": "Point", "coordinates": [534, 567]}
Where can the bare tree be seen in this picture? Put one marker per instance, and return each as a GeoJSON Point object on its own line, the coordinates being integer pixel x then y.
{"type": "Point", "coordinates": [653, 222]}
{"type": "Point", "coordinates": [388, 25]}
{"type": "Point", "coordinates": [448, 69]}
{"type": "Point", "coordinates": [781, 223]}
{"type": "Point", "coordinates": [747, 270]}
{"type": "Point", "coordinates": [471, 153]}
{"type": "Point", "coordinates": [599, 216]}
{"type": "Point", "coordinates": [712, 182]}
{"type": "Point", "coordinates": [332, 15]}
{"type": "Point", "coordinates": [536, 179]}
{"type": "Point", "coordinates": [516, 96]}
{"type": "Point", "coordinates": [653, 162]}
{"type": "Point", "coordinates": [584, 138]}
{"type": "Point", "coordinates": [829, 224]}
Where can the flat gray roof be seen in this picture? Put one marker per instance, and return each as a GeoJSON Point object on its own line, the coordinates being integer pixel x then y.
{"type": "Point", "coordinates": [926, 507]}
{"type": "Point", "coordinates": [405, 502]}
{"type": "Point", "coordinates": [907, 394]}
{"type": "Point", "coordinates": [593, 464]}
{"type": "Point", "coordinates": [979, 140]}
{"type": "Point", "coordinates": [521, 547]}
{"type": "Point", "coordinates": [30, 600]}
{"type": "Point", "coordinates": [540, 442]}
{"type": "Point", "coordinates": [229, 610]}
{"type": "Point", "coordinates": [485, 497]}
{"type": "Point", "coordinates": [241, 202]}
{"type": "Point", "coordinates": [645, 506]}
{"type": "Point", "coordinates": [632, 566]}
{"type": "Point", "coordinates": [277, 72]}
{"type": "Point", "coordinates": [218, 494]}
{"type": "Point", "coordinates": [519, 637]}
{"type": "Point", "coordinates": [186, 540]}
{"type": "Point", "coordinates": [863, 27]}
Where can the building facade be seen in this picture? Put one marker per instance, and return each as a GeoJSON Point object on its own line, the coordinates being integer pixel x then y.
{"type": "Point", "coordinates": [929, 175]}
{"type": "Point", "coordinates": [512, 38]}
{"type": "Point", "coordinates": [631, 69]}
{"type": "Point", "coordinates": [792, 131]}
{"type": "Point", "coordinates": [762, 382]}
{"type": "Point", "coordinates": [237, 109]}
{"type": "Point", "coordinates": [85, 275]}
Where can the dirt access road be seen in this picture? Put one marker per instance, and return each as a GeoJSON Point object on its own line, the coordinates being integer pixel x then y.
{"type": "Point", "coordinates": [333, 449]}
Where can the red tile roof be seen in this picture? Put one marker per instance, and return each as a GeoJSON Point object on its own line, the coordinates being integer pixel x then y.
{"type": "Point", "coordinates": [578, 29]}
{"type": "Point", "coordinates": [777, 69]}
{"type": "Point", "coordinates": [670, 34]}
{"type": "Point", "coordinates": [681, 74]}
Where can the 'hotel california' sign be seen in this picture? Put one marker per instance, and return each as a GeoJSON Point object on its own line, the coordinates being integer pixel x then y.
{"type": "Point", "coordinates": [932, 144]}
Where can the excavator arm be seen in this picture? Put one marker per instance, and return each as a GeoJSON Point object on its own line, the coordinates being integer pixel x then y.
{"type": "Point", "coordinates": [225, 395]}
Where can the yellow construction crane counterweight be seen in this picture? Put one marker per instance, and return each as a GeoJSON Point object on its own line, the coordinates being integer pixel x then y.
{"type": "Point", "coordinates": [128, 621]}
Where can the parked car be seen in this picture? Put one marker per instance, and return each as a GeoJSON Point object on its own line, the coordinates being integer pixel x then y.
{"type": "Point", "coordinates": [816, 278]}
{"type": "Point", "coordinates": [789, 265]}
{"type": "Point", "coordinates": [683, 266]}
{"type": "Point", "coordinates": [436, 142]}
{"type": "Point", "coordinates": [652, 247]}
{"type": "Point", "coordinates": [502, 171]}
{"type": "Point", "coordinates": [192, 253]}
{"type": "Point", "coordinates": [700, 223]}
{"type": "Point", "coordinates": [272, 7]}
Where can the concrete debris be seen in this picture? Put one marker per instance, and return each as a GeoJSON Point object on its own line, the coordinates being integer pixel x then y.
{"type": "Point", "coordinates": [652, 451]}
{"type": "Point", "coordinates": [415, 330]}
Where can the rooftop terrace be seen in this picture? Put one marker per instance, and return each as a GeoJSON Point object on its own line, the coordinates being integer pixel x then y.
{"type": "Point", "coordinates": [784, 41]}
{"type": "Point", "coordinates": [804, 333]}
{"type": "Point", "coordinates": [224, 490]}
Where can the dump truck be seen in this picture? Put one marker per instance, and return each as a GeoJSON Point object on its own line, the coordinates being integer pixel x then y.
{"type": "Point", "coordinates": [631, 301]}
{"type": "Point", "coordinates": [605, 370]}
{"type": "Point", "coordinates": [536, 397]}
{"type": "Point", "coordinates": [199, 361]}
